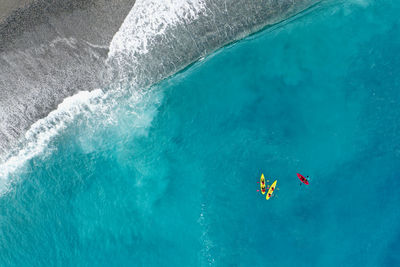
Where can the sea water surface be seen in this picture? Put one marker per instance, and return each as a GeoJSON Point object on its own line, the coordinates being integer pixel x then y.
{"type": "Point", "coordinates": [167, 176]}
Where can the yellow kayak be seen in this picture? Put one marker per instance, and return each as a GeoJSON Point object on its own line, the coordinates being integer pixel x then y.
{"type": "Point", "coordinates": [271, 190]}
{"type": "Point", "coordinates": [262, 184]}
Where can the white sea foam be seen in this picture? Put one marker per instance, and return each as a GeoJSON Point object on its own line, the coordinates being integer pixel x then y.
{"type": "Point", "coordinates": [40, 133]}
{"type": "Point", "coordinates": [147, 20]}
{"type": "Point", "coordinates": [150, 18]}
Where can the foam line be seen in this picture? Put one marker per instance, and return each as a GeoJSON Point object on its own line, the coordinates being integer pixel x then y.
{"type": "Point", "coordinates": [41, 132]}
{"type": "Point", "coordinates": [148, 19]}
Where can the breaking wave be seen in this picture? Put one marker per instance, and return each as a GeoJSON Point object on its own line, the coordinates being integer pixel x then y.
{"type": "Point", "coordinates": [156, 39]}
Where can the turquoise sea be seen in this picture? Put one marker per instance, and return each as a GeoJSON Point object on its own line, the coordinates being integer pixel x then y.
{"type": "Point", "coordinates": [168, 177]}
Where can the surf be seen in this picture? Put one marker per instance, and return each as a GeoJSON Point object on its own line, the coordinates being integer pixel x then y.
{"type": "Point", "coordinates": [156, 40]}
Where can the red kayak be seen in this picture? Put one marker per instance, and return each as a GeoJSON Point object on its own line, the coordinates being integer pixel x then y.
{"type": "Point", "coordinates": [302, 179]}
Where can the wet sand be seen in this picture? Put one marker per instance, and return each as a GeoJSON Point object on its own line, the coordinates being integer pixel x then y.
{"type": "Point", "coordinates": [9, 6]}
{"type": "Point", "coordinates": [50, 50]}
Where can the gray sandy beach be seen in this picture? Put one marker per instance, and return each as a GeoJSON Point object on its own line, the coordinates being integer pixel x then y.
{"type": "Point", "coordinates": [9, 6]}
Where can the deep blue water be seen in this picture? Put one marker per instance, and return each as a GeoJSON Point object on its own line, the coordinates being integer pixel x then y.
{"type": "Point", "coordinates": [172, 181]}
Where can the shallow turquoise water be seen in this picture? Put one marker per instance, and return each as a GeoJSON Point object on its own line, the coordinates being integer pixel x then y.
{"type": "Point", "coordinates": [172, 181]}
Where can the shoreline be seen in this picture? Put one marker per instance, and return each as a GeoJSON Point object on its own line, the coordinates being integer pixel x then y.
{"type": "Point", "coordinates": [48, 52]}
{"type": "Point", "coordinates": [65, 52]}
